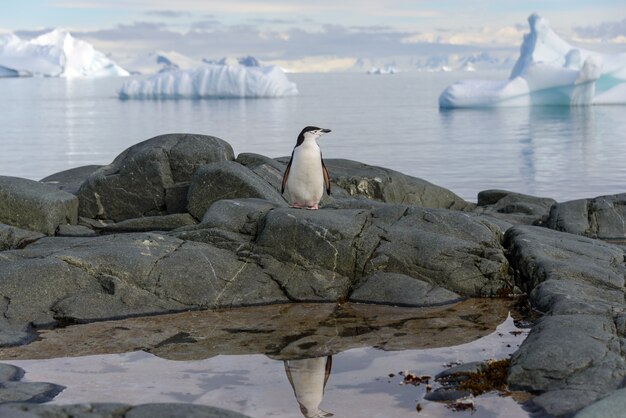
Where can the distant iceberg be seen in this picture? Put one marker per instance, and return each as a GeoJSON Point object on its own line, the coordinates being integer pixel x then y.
{"type": "Point", "coordinates": [385, 70]}
{"type": "Point", "coordinates": [211, 81]}
{"type": "Point", "coordinates": [54, 54]}
{"type": "Point", "coordinates": [549, 71]}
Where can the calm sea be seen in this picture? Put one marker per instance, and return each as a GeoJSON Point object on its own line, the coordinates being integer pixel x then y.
{"type": "Point", "coordinates": [48, 125]}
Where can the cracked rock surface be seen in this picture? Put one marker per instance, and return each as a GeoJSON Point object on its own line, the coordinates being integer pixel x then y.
{"type": "Point", "coordinates": [603, 217]}
{"type": "Point", "coordinates": [575, 353]}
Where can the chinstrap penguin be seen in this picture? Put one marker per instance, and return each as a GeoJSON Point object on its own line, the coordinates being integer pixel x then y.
{"type": "Point", "coordinates": [306, 175]}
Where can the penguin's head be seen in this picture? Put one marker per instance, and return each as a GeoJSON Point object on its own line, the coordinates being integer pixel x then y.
{"type": "Point", "coordinates": [311, 132]}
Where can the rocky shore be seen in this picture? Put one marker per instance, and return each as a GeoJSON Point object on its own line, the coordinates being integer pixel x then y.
{"type": "Point", "coordinates": [177, 223]}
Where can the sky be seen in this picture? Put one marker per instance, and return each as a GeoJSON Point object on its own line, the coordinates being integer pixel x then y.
{"type": "Point", "coordinates": [306, 31]}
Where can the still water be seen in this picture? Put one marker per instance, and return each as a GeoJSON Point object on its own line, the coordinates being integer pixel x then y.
{"type": "Point", "coordinates": [294, 360]}
{"type": "Point", "coordinates": [49, 125]}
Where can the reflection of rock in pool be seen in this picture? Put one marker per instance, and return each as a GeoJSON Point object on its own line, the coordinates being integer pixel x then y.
{"type": "Point", "coordinates": [282, 332]}
{"type": "Point", "coordinates": [308, 379]}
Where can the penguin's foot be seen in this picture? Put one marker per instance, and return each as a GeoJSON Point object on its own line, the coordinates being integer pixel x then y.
{"type": "Point", "coordinates": [313, 207]}
{"type": "Point", "coordinates": [296, 206]}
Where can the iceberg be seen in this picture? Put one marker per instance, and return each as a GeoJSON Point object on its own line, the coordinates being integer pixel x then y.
{"type": "Point", "coordinates": [211, 81]}
{"type": "Point", "coordinates": [54, 54]}
{"type": "Point", "coordinates": [386, 70]}
{"type": "Point", "coordinates": [549, 71]}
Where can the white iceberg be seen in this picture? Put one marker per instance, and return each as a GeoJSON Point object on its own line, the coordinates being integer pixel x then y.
{"type": "Point", "coordinates": [212, 81]}
{"type": "Point", "coordinates": [54, 54]}
{"type": "Point", "coordinates": [390, 69]}
{"type": "Point", "coordinates": [549, 71]}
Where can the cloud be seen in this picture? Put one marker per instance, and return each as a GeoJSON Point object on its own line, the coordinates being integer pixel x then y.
{"type": "Point", "coordinates": [209, 39]}
{"type": "Point", "coordinates": [204, 24]}
{"type": "Point", "coordinates": [603, 31]}
{"type": "Point", "coordinates": [171, 14]}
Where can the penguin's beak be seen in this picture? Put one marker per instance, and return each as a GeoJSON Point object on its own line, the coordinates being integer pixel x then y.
{"type": "Point", "coordinates": [325, 131]}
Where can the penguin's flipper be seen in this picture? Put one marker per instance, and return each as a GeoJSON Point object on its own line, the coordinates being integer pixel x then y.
{"type": "Point", "coordinates": [286, 175]}
{"type": "Point", "coordinates": [326, 178]}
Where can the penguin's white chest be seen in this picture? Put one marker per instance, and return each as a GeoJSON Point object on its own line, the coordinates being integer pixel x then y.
{"type": "Point", "coordinates": [305, 184]}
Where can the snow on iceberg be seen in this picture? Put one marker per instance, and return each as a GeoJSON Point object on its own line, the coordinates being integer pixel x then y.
{"type": "Point", "coordinates": [549, 71]}
{"type": "Point", "coordinates": [211, 81]}
{"type": "Point", "coordinates": [54, 54]}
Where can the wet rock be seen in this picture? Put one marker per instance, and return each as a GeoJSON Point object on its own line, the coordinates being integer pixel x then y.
{"type": "Point", "coordinates": [227, 180]}
{"type": "Point", "coordinates": [572, 355]}
{"type": "Point", "coordinates": [70, 180]}
{"type": "Point", "coordinates": [137, 182]}
{"type": "Point", "coordinates": [601, 217]}
{"type": "Point", "coordinates": [35, 206]}
{"type": "Point", "coordinates": [28, 392]}
{"type": "Point", "coordinates": [400, 290]}
{"type": "Point", "coordinates": [612, 406]}
{"type": "Point", "coordinates": [515, 208]}
{"type": "Point", "coordinates": [10, 373]}
{"type": "Point", "coordinates": [13, 238]}
{"type": "Point", "coordinates": [446, 395]}
{"type": "Point", "coordinates": [178, 410]}
{"type": "Point", "coordinates": [113, 410]}
{"type": "Point", "coordinates": [13, 390]}
{"type": "Point", "coordinates": [461, 370]}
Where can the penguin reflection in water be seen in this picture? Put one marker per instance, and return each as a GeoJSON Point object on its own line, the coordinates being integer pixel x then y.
{"type": "Point", "coordinates": [306, 175]}
{"type": "Point", "coordinates": [308, 379]}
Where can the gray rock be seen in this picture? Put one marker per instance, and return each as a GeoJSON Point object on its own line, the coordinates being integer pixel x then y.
{"type": "Point", "coordinates": [29, 410]}
{"type": "Point", "coordinates": [515, 208]}
{"type": "Point", "coordinates": [227, 180]}
{"type": "Point", "coordinates": [462, 369]}
{"type": "Point", "coordinates": [178, 410]}
{"type": "Point", "coordinates": [447, 248]}
{"type": "Point", "coordinates": [35, 206]}
{"type": "Point", "coordinates": [601, 217]}
{"type": "Point", "coordinates": [75, 231]}
{"type": "Point", "coordinates": [570, 217]}
{"type": "Point", "coordinates": [146, 178]}
{"type": "Point", "coordinates": [563, 402]}
{"type": "Point", "coordinates": [28, 392]}
{"type": "Point", "coordinates": [13, 238]}
{"type": "Point", "coordinates": [10, 373]}
{"type": "Point", "coordinates": [113, 410]}
{"type": "Point", "coordinates": [267, 168]}
{"type": "Point", "coordinates": [112, 276]}
{"type": "Point", "coordinates": [611, 406]}
{"type": "Point", "coordinates": [573, 354]}
{"type": "Point", "coordinates": [13, 334]}
{"type": "Point", "coordinates": [151, 223]}
{"type": "Point", "coordinates": [541, 254]}
{"type": "Point", "coordinates": [401, 290]}
{"type": "Point", "coordinates": [70, 180]}
{"type": "Point", "coordinates": [355, 179]}
{"type": "Point", "coordinates": [446, 395]}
